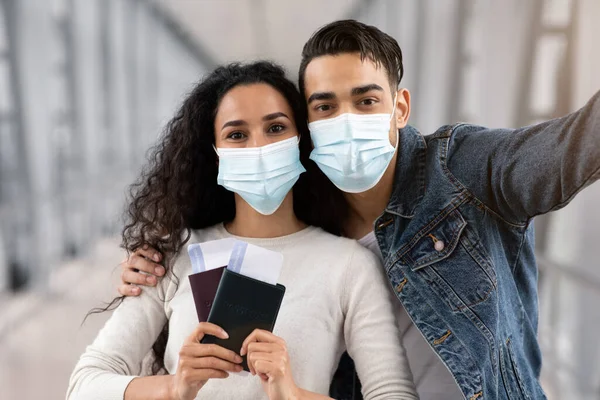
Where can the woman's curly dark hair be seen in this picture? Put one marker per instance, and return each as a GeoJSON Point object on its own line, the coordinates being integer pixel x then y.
{"type": "Point", "coordinates": [178, 191]}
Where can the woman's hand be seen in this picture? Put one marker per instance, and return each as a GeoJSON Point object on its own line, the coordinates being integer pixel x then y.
{"type": "Point", "coordinates": [146, 260]}
{"type": "Point", "coordinates": [268, 358]}
{"type": "Point", "coordinates": [200, 362]}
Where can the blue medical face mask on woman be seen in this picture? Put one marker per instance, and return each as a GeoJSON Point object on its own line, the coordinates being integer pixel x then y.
{"type": "Point", "coordinates": [262, 176]}
{"type": "Point", "coordinates": [353, 150]}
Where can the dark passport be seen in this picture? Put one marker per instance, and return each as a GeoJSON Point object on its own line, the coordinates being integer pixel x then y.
{"type": "Point", "coordinates": [204, 288]}
{"type": "Point", "coordinates": [241, 305]}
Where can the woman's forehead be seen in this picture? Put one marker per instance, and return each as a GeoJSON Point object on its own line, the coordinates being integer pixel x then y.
{"type": "Point", "coordinates": [254, 100]}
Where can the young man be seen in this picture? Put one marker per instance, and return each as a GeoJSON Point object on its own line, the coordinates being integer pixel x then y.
{"type": "Point", "coordinates": [450, 214]}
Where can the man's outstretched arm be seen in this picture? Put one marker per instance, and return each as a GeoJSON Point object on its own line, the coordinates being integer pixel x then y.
{"type": "Point", "coordinates": [524, 172]}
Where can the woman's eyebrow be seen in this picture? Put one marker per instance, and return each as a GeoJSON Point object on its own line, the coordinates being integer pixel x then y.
{"type": "Point", "coordinates": [275, 115]}
{"type": "Point", "coordinates": [237, 122]}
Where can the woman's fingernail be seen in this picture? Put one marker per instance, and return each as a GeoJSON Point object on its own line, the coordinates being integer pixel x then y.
{"type": "Point", "coordinates": [135, 290]}
{"type": "Point", "coordinates": [156, 257]}
{"type": "Point", "coordinates": [158, 271]}
{"type": "Point", "coordinates": [150, 279]}
{"type": "Point", "coordinates": [225, 334]}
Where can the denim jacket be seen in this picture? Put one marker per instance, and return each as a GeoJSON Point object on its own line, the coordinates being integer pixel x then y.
{"type": "Point", "coordinates": [458, 245]}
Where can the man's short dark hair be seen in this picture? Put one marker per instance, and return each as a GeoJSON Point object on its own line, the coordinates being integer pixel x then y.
{"type": "Point", "coordinates": [350, 36]}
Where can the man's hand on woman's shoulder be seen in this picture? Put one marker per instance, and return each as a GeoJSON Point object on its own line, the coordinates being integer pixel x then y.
{"type": "Point", "coordinates": [141, 268]}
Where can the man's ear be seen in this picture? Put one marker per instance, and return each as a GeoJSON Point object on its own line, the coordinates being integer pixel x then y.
{"type": "Point", "coordinates": [402, 107]}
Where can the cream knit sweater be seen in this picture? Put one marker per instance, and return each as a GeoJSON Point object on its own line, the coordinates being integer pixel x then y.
{"type": "Point", "coordinates": [336, 299]}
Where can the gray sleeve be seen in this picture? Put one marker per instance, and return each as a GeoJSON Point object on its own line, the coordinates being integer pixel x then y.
{"type": "Point", "coordinates": [525, 172]}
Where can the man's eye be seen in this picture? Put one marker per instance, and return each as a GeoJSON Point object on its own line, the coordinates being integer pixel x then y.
{"type": "Point", "coordinates": [235, 135]}
{"type": "Point", "coordinates": [367, 102]}
{"type": "Point", "coordinates": [277, 128]}
{"type": "Point", "coordinates": [323, 107]}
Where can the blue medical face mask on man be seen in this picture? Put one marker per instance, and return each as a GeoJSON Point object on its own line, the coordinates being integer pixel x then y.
{"type": "Point", "coordinates": [262, 176]}
{"type": "Point", "coordinates": [353, 150]}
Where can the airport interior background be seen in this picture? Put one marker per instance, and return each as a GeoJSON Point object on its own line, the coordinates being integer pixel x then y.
{"type": "Point", "coordinates": [87, 85]}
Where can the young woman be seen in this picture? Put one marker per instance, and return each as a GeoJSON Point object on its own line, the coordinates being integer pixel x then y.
{"type": "Point", "coordinates": [225, 168]}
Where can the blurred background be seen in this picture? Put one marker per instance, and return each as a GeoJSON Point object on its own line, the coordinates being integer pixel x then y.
{"type": "Point", "coordinates": [87, 85]}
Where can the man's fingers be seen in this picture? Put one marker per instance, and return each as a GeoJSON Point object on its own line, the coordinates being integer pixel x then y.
{"type": "Point", "coordinates": [132, 268]}
{"type": "Point", "coordinates": [129, 290]}
{"type": "Point", "coordinates": [145, 265]}
{"type": "Point", "coordinates": [149, 252]}
{"type": "Point", "coordinates": [137, 278]}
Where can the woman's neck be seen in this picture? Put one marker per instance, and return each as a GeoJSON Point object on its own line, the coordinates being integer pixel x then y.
{"type": "Point", "coordinates": [250, 223]}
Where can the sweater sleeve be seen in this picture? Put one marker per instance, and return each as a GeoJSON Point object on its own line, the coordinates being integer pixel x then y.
{"type": "Point", "coordinates": [115, 357]}
{"type": "Point", "coordinates": [371, 333]}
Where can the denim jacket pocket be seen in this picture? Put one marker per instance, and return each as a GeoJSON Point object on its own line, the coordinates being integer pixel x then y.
{"type": "Point", "coordinates": [446, 256]}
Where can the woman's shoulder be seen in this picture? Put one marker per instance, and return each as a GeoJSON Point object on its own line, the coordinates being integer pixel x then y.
{"type": "Point", "coordinates": [340, 245]}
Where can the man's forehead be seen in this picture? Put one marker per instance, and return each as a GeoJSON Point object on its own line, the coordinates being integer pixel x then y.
{"type": "Point", "coordinates": [342, 72]}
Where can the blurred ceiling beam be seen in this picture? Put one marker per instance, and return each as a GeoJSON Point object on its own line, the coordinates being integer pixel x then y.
{"type": "Point", "coordinates": [182, 31]}
{"type": "Point", "coordinates": [228, 29]}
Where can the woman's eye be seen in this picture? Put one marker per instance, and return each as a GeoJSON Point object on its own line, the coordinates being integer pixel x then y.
{"type": "Point", "coordinates": [276, 128]}
{"type": "Point", "coordinates": [235, 135]}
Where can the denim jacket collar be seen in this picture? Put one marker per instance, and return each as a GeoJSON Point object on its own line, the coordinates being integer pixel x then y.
{"type": "Point", "coordinates": [409, 180]}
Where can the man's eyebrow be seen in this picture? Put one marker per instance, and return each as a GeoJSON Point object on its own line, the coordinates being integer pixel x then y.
{"type": "Point", "coordinates": [274, 115]}
{"type": "Point", "coordinates": [237, 122]}
{"type": "Point", "coordinates": [321, 96]}
{"type": "Point", "coordinates": [365, 89]}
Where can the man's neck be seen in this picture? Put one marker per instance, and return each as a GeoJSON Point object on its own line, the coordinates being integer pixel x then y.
{"type": "Point", "coordinates": [367, 206]}
{"type": "Point", "coordinates": [250, 223]}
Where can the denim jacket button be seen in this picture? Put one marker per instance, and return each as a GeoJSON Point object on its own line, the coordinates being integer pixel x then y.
{"type": "Point", "coordinates": [439, 245]}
